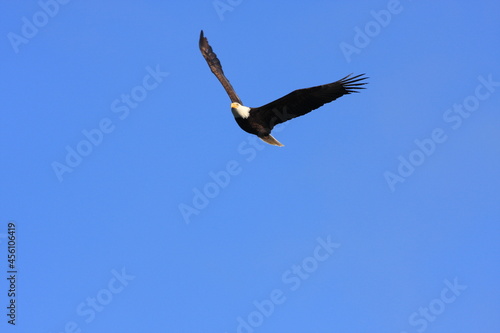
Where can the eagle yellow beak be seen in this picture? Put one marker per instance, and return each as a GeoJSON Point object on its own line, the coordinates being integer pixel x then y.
{"type": "Point", "coordinates": [234, 105]}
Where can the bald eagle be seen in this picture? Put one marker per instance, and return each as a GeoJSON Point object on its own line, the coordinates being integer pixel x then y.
{"type": "Point", "coordinates": [261, 120]}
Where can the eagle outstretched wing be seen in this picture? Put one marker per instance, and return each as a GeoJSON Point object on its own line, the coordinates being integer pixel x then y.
{"type": "Point", "coordinates": [216, 68]}
{"type": "Point", "coordinates": [302, 101]}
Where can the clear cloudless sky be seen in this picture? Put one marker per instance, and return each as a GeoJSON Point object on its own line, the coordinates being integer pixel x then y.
{"type": "Point", "coordinates": [139, 205]}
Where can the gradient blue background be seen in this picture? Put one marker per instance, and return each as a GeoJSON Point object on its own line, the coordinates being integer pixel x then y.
{"type": "Point", "coordinates": [119, 208]}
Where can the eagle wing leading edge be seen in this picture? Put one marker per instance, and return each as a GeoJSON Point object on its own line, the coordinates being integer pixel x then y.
{"type": "Point", "coordinates": [216, 68]}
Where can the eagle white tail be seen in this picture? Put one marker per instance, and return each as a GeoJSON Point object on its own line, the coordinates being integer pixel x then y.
{"type": "Point", "coordinates": [271, 140]}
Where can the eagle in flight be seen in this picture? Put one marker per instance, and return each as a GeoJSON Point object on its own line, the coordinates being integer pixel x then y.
{"type": "Point", "coordinates": [261, 120]}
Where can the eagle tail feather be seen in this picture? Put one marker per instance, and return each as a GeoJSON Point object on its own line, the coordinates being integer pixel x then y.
{"type": "Point", "coordinates": [271, 140]}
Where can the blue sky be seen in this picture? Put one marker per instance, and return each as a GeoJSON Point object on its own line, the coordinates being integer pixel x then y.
{"type": "Point", "coordinates": [139, 205]}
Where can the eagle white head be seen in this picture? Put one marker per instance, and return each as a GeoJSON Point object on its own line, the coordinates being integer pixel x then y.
{"type": "Point", "coordinates": [240, 111]}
